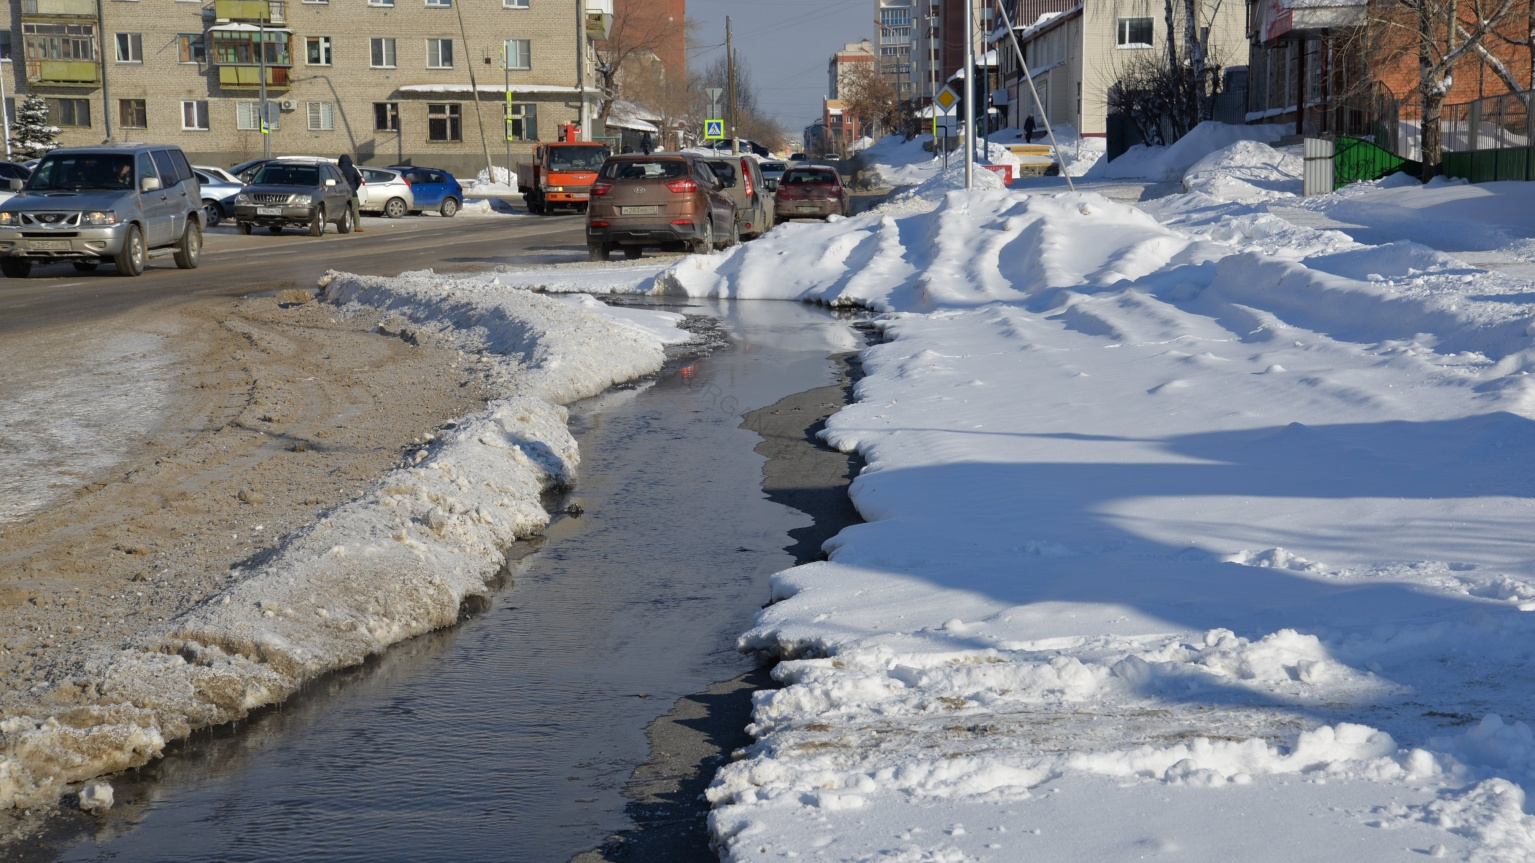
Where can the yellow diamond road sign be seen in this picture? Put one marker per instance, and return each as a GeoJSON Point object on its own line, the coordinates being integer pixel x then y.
{"type": "Point", "coordinates": [714, 130]}
{"type": "Point", "coordinates": [947, 99]}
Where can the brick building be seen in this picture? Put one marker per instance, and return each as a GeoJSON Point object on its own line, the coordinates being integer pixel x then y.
{"type": "Point", "coordinates": [386, 80]}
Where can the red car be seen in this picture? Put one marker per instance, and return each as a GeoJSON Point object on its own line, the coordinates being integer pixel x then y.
{"type": "Point", "coordinates": [811, 192]}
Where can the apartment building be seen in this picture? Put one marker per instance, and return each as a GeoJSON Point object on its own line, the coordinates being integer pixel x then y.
{"type": "Point", "coordinates": [938, 40]}
{"type": "Point", "coordinates": [386, 80]}
{"type": "Point", "coordinates": [892, 43]}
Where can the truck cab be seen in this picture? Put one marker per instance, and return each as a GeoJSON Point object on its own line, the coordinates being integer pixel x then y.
{"type": "Point", "coordinates": [560, 175]}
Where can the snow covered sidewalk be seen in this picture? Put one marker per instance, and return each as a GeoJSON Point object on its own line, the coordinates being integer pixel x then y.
{"type": "Point", "coordinates": [1205, 538]}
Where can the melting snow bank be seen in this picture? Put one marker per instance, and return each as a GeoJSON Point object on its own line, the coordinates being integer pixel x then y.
{"type": "Point", "coordinates": [1203, 534]}
{"type": "Point", "coordinates": [397, 562]}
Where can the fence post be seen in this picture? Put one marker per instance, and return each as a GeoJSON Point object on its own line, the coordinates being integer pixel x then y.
{"type": "Point", "coordinates": [1321, 168]}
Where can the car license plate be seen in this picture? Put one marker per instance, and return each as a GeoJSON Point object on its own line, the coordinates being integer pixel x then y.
{"type": "Point", "coordinates": [639, 211]}
{"type": "Point", "coordinates": [804, 209]}
{"type": "Point", "coordinates": [50, 244]}
{"type": "Point", "coordinates": [269, 211]}
{"type": "Point", "coordinates": [578, 197]}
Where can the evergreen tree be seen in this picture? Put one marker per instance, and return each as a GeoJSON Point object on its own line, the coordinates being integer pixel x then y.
{"type": "Point", "coordinates": [31, 134]}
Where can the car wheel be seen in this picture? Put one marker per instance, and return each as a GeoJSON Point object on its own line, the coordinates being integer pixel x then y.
{"type": "Point", "coordinates": [594, 251]}
{"type": "Point", "coordinates": [535, 203]}
{"type": "Point", "coordinates": [705, 243]}
{"type": "Point", "coordinates": [276, 229]}
{"type": "Point", "coordinates": [395, 208]}
{"type": "Point", "coordinates": [212, 213]}
{"type": "Point", "coordinates": [735, 235]}
{"type": "Point", "coordinates": [633, 252]}
{"type": "Point", "coordinates": [344, 225]}
{"type": "Point", "coordinates": [87, 266]}
{"type": "Point", "coordinates": [448, 208]}
{"type": "Point", "coordinates": [317, 222]}
{"type": "Point", "coordinates": [244, 228]}
{"type": "Point", "coordinates": [189, 251]}
{"type": "Point", "coordinates": [130, 261]}
{"type": "Point", "coordinates": [15, 268]}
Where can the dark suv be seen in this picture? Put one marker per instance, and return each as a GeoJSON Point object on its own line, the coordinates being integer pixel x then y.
{"type": "Point", "coordinates": [296, 194]}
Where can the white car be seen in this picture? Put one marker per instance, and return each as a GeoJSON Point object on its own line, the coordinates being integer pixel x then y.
{"type": "Point", "coordinates": [385, 191]}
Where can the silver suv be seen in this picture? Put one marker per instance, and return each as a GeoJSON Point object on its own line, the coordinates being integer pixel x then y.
{"type": "Point", "coordinates": [95, 205]}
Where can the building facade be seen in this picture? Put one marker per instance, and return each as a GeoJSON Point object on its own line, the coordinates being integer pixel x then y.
{"type": "Point", "coordinates": [386, 80]}
{"type": "Point", "coordinates": [852, 56]}
{"type": "Point", "coordinates": [893, 43]}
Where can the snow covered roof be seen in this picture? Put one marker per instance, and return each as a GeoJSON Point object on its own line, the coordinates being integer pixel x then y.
{"type": "Point", "coordinates": [989, 60]}
{"type": "Point", "coordinates": [1024, 31]}
{"type": "Point", "coordinates": [497, 89]}
{"type": "Point", "coordinates": [236, 27]}
{"type": "Point", "coordinates": [627, 115]}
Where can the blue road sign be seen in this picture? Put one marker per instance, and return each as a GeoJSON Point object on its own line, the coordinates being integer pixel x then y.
{"type": "Point", "coordinates": [714, 130]}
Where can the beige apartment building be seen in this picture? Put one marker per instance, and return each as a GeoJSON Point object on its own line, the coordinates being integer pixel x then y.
{"type": "Point", "coordinates": [385, 80]}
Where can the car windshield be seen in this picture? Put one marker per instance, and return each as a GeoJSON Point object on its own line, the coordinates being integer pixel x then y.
{"type": "Point", "coordinates": [773, 166]}
{"type": "Point", "coordinates": [809, 178]}
{"type": "Point", "coordinates": [287, 175]}
{"type": "Point", "coordinates": [83, 171]}
{"type": "Point", "coordinates": [577, 158]}
{"type": "Point", "coordinates": [645, 169]}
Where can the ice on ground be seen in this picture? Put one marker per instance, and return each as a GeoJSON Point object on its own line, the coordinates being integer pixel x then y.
{"type": "Point", "coordinates": [1168, 163]}
{"type": "Point", "coordinates": [398, 561]}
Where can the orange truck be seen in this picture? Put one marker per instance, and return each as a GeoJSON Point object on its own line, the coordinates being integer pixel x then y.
{"type": "Point", "coordinates": [560, 175]}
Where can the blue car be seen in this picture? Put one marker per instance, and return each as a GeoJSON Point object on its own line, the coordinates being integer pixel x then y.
{"type": "Point", "coordinates": [432, 188]}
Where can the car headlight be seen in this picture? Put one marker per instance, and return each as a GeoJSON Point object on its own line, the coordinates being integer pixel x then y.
{"type": "Point", "coordinates": [103, 217]}
{"type": "Point", "coordinates": [555, 189]}
{"type": "Point", "coordinates": [301, 200]}
{"type": "Point", "coordinates": [243, 198]}
{"type": "Point", "coordinates": [9, 219]}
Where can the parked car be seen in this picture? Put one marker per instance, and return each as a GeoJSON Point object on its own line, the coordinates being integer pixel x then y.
{"type": "Point", "coordinates": [811, 192]}
{"type": "Point", "coordinates": [385, 191]}
{"type": "Point", "coordinates": [218, 191]}
{"type": "Point", "coordinates": [664, 200]}
{"type": "Point", "coordinates": [798, 157]}
{"type": "Point", "coordinates": [245, 170]}
{"type": "Point", "coordinates": [11, 171]}
{"type": "Point", "coordinates": [772, 172]}
{"type": "Point", "coordinates": [432, 189]}
{"type": "Point", "coordinates": [742, 180]}
{"type": "Point", "coordinates": [287, 193]}
{"type": "Point", "coordinates": [93, 205]}
{"type": "Point", "coordinates": [745, 147]}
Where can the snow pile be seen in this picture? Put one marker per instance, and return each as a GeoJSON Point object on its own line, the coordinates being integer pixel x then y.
{"type": "Point", "coordinates": [1247, 171]}
{"type": "Point", "coordinates": [899, 162]}
{"type": "Point", "coordinates": [1169, 163]}
{"type": "Point", "coordinates": [398, 561]}
{"type": "Point", "coordinates": [484, 185]}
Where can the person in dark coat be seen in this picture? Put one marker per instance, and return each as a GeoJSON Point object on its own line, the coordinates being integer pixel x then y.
{"type": "Point", "coordinates": [647, 146]}
{"type": "Point", "coordinates": [1028, 129]}
{"type": "Point", "coordinates": [353, 179]}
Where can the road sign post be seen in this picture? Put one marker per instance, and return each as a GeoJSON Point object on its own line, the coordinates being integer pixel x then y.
{"type": "Point", "coordinates": [714, 129]}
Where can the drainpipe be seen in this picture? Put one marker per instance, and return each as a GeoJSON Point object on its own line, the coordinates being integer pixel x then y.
{"type": "Point", "coordinates": [106, 95]}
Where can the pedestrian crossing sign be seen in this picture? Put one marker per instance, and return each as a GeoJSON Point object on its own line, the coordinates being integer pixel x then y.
{"type": "Point", "coordinates": [714, 130]}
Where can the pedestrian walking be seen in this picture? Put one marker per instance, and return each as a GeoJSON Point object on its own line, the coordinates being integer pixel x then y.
{"type": "Point", "coordinates": [353, 179]}
{"type": "Point", "coordinates": [1028, 129]}
{"type": "Point", "coordinates": [647, 146]}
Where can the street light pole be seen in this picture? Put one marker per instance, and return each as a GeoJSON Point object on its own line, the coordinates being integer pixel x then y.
{"type": "Point", "coordinates": [5, 116]}
{"type": "Point", "coordinates": [969, 92]}
{"type": "Point", "coordinates": [261, 121]}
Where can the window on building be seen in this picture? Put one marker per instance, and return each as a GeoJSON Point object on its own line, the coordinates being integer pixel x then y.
{"type": "Point", "coordinates": [439, 53]}
{"type": "Point", "coordinates": [194, 115]}
{"type": "Point", "coordinates": [383, 53]}
{"type": "Point", "coordinates": [444, 123]}
{"type": "Point", "coordinates": [322, 117]}
{"type": "Point", "coordinates": [130, 47]}
{"type": "Point", "coordinates": [522, 122]}
{"type": "Point", "coordinates": [5, 44]}
{"type": "Point", "coordinates": [239, 47]}
{"type": "Point", "coordinates": [248, 115]}
{"type": "Point", "coordinates": [132, 114]}
{"type": "Point", "coordinates": [439, 4]}
{"type": "Point", "coordinates": [519, 54]}
{"type": "Point", "coordinates": [1134, 33]}
{"type": "Point", "coordinates": [380, 2]}
{"type": "Point", "coordinates": [895, 17]}
{"type": "Point", "coordinates": [515, 4]}
{"type": "Point", "coordinates": [58, 41]}
{"type": "Point", "coordinates": [192, 48]}
{"type": "Point", "coordinates": [386, 116]}
{"type": "Point", "coordinates": [70, 112]}
{"type": "Point", "coordinates": [317, 50]}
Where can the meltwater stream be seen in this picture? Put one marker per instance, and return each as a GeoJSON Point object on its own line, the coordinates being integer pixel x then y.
{"type": "Point", "coordinates": [510, 736]}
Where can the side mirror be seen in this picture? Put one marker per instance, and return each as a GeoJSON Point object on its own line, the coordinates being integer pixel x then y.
{"type": "Point", "coordinates": [329, 183]}
{"type": "Point", "coordinates": [16, 185]}
{"type": "Point", "coordinates": [149, 184]}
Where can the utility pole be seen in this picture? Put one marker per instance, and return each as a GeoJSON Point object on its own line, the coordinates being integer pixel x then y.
{"type": "Point", "coordinates": [106, 97]}
{"type": "Point", "coordinates": [261, 122]}
{"type": "Point", "coordinates": [586, 134]}
{"type": "Point", "coordinates": [969, 92]}
{"type": "Point", "coordinates": [730, 84]}
{"type": "Point", "coordinates": [474, 93]}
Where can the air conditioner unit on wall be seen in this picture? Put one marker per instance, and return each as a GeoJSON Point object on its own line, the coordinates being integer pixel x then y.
{"type": "Point", "coordinates": [289, 105]}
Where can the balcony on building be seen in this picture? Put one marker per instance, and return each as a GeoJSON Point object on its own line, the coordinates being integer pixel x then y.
{"type": "Point", "coordinates": [599, 19]}
{"type": "Point", "coordinates": [60, 52]}
{"type": "Point", "coordinates": [58, 8]}
{"type": "Point", "coordinates": [236, 48]}
{"type": "Point", "coordinates": [270, 11]}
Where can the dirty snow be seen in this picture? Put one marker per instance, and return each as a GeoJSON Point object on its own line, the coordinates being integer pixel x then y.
{"type": "Point", "coordinates": [396, 562]}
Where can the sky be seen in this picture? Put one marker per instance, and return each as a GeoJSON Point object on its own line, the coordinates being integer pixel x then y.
{"type": "Point", "coordinates": [785, 43]}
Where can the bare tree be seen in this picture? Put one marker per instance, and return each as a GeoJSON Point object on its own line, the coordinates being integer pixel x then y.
{"type": "Point", "coordinates": [1167, 96]}
{"type": "Point", "coordinates": [628, 61]}
{"type": "Point", "coordinates": [751, 121]}
{"type": "Point", "coordinates": [868, 95]}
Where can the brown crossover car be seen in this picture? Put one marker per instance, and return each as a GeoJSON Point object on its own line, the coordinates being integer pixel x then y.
{"type": "Point", "coordinates": [671, 201]}
{"type": "Point", "coordinates": [811, 192]}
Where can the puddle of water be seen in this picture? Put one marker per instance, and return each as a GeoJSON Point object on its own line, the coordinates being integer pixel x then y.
{"type": "Point", "coordinates": [511, 736]}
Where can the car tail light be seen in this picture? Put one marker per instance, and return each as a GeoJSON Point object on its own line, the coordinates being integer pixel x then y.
{"type": "Point", "coordinates": [682, 186]}
{"type": "Point", "coordinates": [601, 188]}
{"type": "Point", "coordinates": [747, 173]}
{"type": "Point", "coordinates": [599, 225]}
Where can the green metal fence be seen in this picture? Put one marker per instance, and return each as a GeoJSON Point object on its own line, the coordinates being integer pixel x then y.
{"type": "Point", "coordinates": [1356, 159]}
